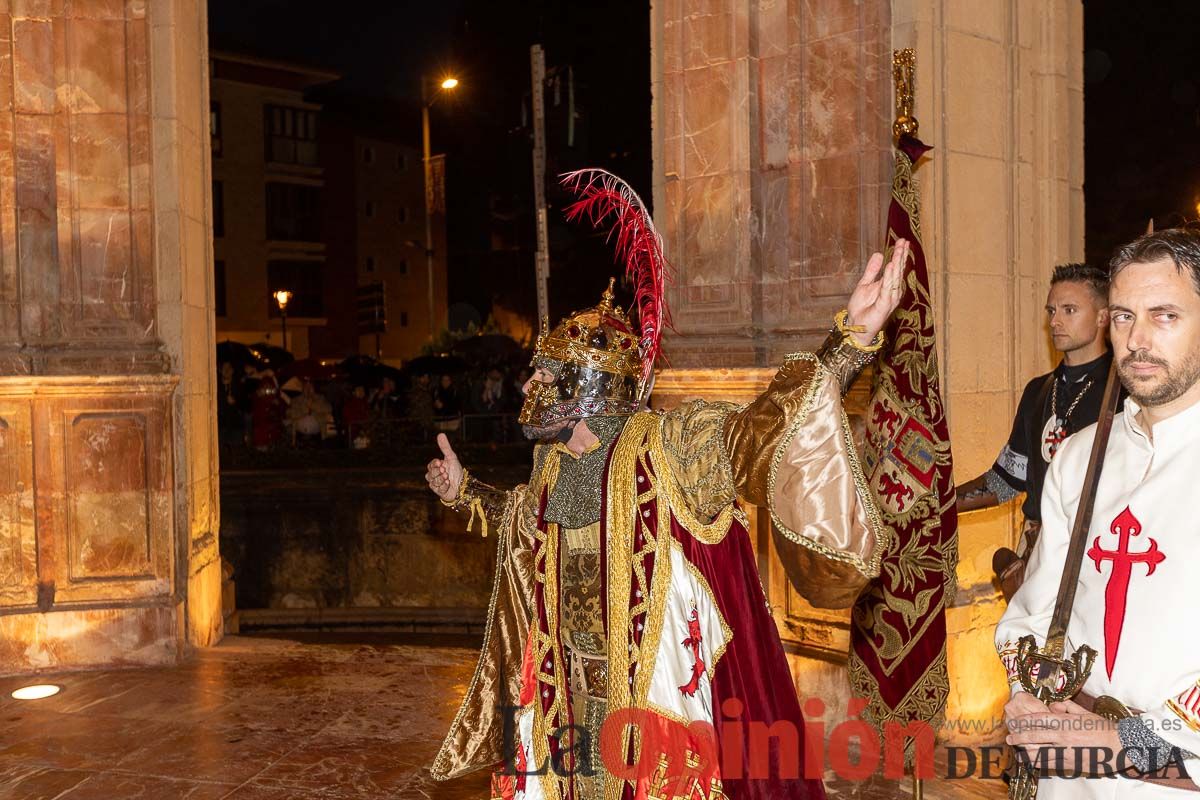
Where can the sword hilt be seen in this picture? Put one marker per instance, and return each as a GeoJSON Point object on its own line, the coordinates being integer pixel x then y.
{"type": "Point", "coordinates": [1075, 671]}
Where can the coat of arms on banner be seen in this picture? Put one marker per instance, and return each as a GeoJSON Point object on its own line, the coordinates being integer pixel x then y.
{"type": "Point", "coordinates": [899, 460]}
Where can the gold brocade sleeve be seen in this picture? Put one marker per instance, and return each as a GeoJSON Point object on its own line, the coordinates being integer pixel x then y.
{"type": "Point", "coordinates": [843, 357]}
{"type": "Point", "coordinates": [693, 442]}
{"type": "Point", "coordinates": [476, 736]}
{"type": "Point", "coordinates": [480, 500]}
{"type": "Point", "coordinates": [791, 452]}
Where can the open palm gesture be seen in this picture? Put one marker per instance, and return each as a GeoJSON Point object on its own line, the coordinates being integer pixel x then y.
{"type": "Point", "coordinates": [878, 293]}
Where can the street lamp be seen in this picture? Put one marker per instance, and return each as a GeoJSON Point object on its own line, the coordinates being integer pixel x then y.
{"type": "Point", "coordinates": [282, 297]}
{"type": "Point", "coordinates": [448, 84]}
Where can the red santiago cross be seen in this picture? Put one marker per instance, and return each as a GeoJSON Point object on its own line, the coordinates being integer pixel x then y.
{"type": "Point", "coordinates": [1117, 590]}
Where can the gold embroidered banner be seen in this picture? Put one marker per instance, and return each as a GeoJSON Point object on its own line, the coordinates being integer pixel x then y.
{"type": "Point", "coordinates": [898, 629]}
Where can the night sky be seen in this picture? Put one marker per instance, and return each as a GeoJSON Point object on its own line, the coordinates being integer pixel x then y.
{"type": "Point", "coordinates": [1141, 118]}
{"type": "Point", "coordinates": [1142, 112]}
{"type": "Point", "coordinates": [382, 49]}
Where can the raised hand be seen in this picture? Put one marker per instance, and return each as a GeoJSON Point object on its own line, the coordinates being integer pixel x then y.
{"type": "Point", "coordinates": [878, 292]}
{"type": "Point", "coordinates": [444, 475]}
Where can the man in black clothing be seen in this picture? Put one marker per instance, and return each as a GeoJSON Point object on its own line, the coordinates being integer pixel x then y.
{"type": "Point", "coordinates": [1052, 407]}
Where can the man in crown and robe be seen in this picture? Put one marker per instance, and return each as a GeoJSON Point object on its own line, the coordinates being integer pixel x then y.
{"type": "Point", "coordinates": [629, 649]}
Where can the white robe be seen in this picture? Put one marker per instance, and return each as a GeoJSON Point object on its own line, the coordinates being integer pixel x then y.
{"type": "Point", "coordinates": [1156, 667]}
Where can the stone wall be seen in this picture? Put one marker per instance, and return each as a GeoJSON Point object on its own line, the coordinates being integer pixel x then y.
{"type": "Point", "coordinates": [771, 171]}
{"type": "Point", "coordinates": [368, 540]}
{"type": "Point", "coordinates": [107, 546]}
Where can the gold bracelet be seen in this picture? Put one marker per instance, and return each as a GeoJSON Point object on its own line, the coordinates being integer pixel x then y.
{"type": "Point", "coordinates": [462, 490]}
{"type": "Point", "coordinates": [462, 502]}
{"type": "Point", "coordinates": [845, 330]}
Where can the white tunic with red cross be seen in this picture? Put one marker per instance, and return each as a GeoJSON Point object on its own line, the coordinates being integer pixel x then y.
{"type": "Point", "coordinates": [1138, 586]}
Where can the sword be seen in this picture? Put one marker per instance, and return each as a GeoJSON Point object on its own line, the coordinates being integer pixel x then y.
{"type": "Point", "coordinates": [1057, 678]}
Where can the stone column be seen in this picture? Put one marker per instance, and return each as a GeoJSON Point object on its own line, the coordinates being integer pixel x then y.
{"type": "Point", "coordinates": [107, 439]}
{"type": "Point", "coordinates": [772, 169]}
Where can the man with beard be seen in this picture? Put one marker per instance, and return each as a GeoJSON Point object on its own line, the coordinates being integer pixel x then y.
{"type": "Point", "coordinates": [1052, 407]}
{"type": "Point", "coordinates": [627, 596]}
{"type": "Point", "coordinates": [1136, 589]}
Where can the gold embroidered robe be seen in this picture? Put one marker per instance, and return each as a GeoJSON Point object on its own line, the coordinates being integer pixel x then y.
{"type": "Point", "coordinates": [790, 452]}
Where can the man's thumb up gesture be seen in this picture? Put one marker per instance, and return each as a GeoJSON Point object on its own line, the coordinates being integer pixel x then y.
{"type": "Point", "coordinates": [445, 474]}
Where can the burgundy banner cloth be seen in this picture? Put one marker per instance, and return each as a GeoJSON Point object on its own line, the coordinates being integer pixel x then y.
{"type": "Point", "coordinates": [898, 631]}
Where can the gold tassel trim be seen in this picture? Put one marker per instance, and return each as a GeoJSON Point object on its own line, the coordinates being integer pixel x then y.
{"type": "Point", "coordinates": [477, 512]}
{"type": "Point", "coordinates": [845, 330]}
{"type": "Point", "coordinates": [462, 502]}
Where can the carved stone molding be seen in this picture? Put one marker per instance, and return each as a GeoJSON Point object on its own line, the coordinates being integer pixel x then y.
{"type": "Point", "coordinates": [88, 464]}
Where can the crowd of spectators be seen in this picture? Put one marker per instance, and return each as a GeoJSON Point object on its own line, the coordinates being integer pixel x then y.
{"type": "Point", "coordinates": [256, 411]}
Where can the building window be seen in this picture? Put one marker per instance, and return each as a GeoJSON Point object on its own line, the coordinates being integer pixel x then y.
{"type": "Point", "coordinates": [293, 212]}
{"type": "Point", "coordinates": [370, 264]}
{"type": "Point", "coordinates": [291, 135]}
{"type": "Point", "coordinates": [403, 266]}
{"type": "Point", "coordinates": [370, 209]}
{"type": "Point", "coordinates": [402, 215]}
{"type": "Point", "coordinates": [214, 128]}
{"type": "Point", "coordinates": [303, 280]}
{"type": "Point", "coordinates": [218, 208]}
{"type": "Point", "coordinates": [401, 161]}
{"type": "Point", "coordinates": [403, 319]}
{"type": "Point", "coordinates": [219, 287]}
{"type": "Point", "coordinates": [368, 155]}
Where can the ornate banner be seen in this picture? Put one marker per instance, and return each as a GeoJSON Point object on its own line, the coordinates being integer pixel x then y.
{"type": "Point", "coordinates": [898, 628]}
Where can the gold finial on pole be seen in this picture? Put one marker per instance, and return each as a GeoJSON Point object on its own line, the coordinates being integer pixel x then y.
{"type": "Point", "coordinates": [904, 63]}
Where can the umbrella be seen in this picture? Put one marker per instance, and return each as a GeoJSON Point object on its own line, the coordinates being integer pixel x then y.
{"type": "Point", "coordinates": [366, 371]}
{"type": "Point", "coordinates": [276, 357]}
{"type": "Point", "coordinates": [312, 369]}
{"type": "Point", "coordinates": [239, 354]}
{"type": "Point", "coordinates": [488, 347]}
{"type": "Point", "coordinates": [292, 385]}
{"type": "Point", "coordinates": [435, 365]}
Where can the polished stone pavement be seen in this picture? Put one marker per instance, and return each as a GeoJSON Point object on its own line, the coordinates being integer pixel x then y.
{"type": "Point", "coordinates": [352, 716]}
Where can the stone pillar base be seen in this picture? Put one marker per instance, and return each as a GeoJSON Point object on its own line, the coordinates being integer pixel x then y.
{"type": "Point", "coordinates": [143, 636]}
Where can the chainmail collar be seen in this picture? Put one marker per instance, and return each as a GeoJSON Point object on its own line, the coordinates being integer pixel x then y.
{"type": "Point", "coordinates": [575, 501]}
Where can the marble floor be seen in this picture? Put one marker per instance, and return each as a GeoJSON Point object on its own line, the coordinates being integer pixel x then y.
{"type": "Point", "coordinates": [271, 719]}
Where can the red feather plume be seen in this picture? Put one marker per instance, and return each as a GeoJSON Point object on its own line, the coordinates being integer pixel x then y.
{"type": "Point", "coordinates": [606, 199]}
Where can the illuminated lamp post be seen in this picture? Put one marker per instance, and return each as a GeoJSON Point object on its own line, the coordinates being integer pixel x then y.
{"type": "Point", "coordinates": [447, 84]}
{"type": "Point", "coordinates": [281, 298]}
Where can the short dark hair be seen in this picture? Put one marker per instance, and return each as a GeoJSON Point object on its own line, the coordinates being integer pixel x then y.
{"type": "Point", "coordinates": [1180, 245]}
{"type": "Point", "coordinates": [1094, 277]}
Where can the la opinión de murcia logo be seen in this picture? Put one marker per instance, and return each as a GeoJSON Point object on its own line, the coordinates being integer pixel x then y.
{"type": "Point", "coordinates": [639, 744]}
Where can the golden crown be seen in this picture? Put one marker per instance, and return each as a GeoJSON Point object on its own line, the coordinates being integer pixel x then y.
{"type": "Point", "coordinates": [598, 337]}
